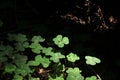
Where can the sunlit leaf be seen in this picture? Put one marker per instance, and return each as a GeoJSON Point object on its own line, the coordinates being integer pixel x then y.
{"type": "Point", "coordinates": [91, 78]}
{"type": "Point", "coordinates": [65, 40]}
{"type": "Point", "coordinates": [92, 60]}
{"type": "Point", "coordinates": [74, 74]}
{"type": "Point", "coordinates": [72, 57]}
{"type": "Point", "coordinates": [56, 78]}
{"type": "Point", "coordinates": [60, 41]}
{"type": "Point", "coordinates": [75, 70]}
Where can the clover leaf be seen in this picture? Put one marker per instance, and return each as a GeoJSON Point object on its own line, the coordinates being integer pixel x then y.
{"type": "Point", "coordinates": [45, 62]}
{"type": "Point", "coordinates": [60, 41]}
{"type": "Point", "coordinates": [75, 70]}
{"type": "Point", "coordinates": [37, 39]}
{"type": "Point", "coordinates": [18, 77]}
{"type": "Point", "coordinates": [72, 57]}
{"type": "Point", "coordinates": [65, 40]}
{"type": "Point", "coordinates": [9, 68]}
{"type": "Point", "coordinates": [35, 62]}
{"type": "Point", "coordinates": [39, 60]}
{"type": "Point", "coordinates": [57, 78]}
{"type": "Point", "coordinates": [23, 70]}
{"type": "Point", "coordinates": [91, 78]}
{"type": "Point", "coordinates": [92, 60]}
{"type": "Point", "coordinates": [56, 57]}
{"type": "Point", "coordinates": [47, 51]}
{"type": "Point", "coordinates": [36, 47]}
{"type": "Point", "coordinates": [74, 74]}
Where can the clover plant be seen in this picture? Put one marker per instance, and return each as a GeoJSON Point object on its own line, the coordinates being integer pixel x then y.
{"type": "Point", "coordinates": [25, 56]}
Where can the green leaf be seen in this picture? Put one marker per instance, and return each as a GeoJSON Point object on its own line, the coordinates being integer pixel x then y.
{"type": "Point", "coordinates": [37, 39]}
{"type": "Point", "coordinates": [72, 57]}
{"type": "Point", "coordinates": [36, 47]}
{"type": "Point", "coordinates": [38, 58]}
{"type": "Point", "coordinates": [56, 57]}
{"type": "Point", "coordinates": [60, 41]}
{"type": "Point", "coordinates": [75, 77]}
{"type": "Point", "coordinates": [17, 77]}
{"type": "Point", "coordinates": [47, 51]}
{"type": "Point", "coordinates": [8, 50]}
{"type": "Point", "coordinates": [75, 70]}
{"type": "Point", "coordinates": [92, 60]}
{"type": "Point", "coordinates": [58, 67]}
{"type": "Point", "coordinates": [45, 62]}
{"type": "Point", "coordinates": [58, 38]}
{"type": "Point", "coordinates": [65, 40]}
{"type": "Point", "coordinates": [25, 44]}
{"type": "Point", "coordinates": [21, 38]}
{"type": "Point", "coordinates": [57, 78]}
{"type": "Point", "coordinates": [19, 59]}
{"type": "Point", "coordinates": [23, 70]}
{"type": "Point", "coordinates": [33, 63]}
{"type": "Point", "coordinates": [74, 74]}
{"type": "Point", "coordinates": [9, 68]}
{"type": "Point", "coordinates": [91, 78]}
